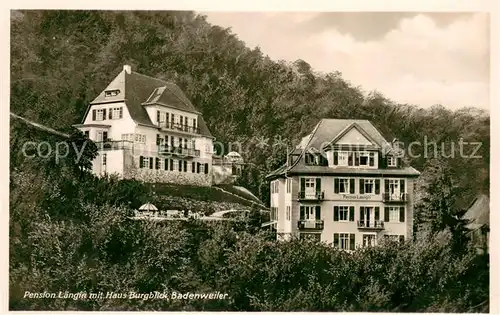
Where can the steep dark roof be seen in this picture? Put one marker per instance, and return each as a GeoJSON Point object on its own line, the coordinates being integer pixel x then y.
{"type": "Point", "coordinates": [138, 90]}
{"type": "Point", "coordinates": [328, 130]}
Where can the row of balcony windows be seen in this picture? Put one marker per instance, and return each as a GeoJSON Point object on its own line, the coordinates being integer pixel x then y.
{"type": "Point", "coordinates": [320, 224]}
{"type": "Point", "coordinates": [320, 196]}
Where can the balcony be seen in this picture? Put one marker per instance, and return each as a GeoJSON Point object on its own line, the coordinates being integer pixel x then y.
{"type": "Point", "coordinates": [395, 198]}
{"type": "Point", "coordinates": [316, 196]}
{"type": "Point", "coordinates": [371, 225]}
{"type": "Point", "coordinates": [166, 125]}
{"type": "Point", "coordinates": [110, 145]}
{"type": "Point", "coordinates": [178, 151]}
{"type": "Point", "coordinates": [311, 224]}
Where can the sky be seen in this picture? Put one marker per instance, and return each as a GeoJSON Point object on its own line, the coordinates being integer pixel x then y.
{"type": "Point", "coordinates": [410, 57]}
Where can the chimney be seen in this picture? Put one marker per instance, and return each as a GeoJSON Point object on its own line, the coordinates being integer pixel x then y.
{"type": "Point", "coordinates": [127, 68]}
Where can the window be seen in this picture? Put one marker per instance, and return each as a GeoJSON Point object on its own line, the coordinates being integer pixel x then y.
{"type": "Point", "coordinates": [393, 214]}
{"type": "Point", "coordinates": [193, 167]}
{"type": "Point", "coordinates": [161, 164]}
{"type": "Point", "coordinates": [391, 161]}
{"type": "Point", "coordinates": [309, 213]}
{"type": "Point", "coordinates": [343, 213]}
{"type": "Point", "coordinates": [104, 159]}
{"type": "Point", "coordinates": [185, 166]}
{"type": "Point", "coordinates": [288, 214]}
{"type": "Point", "coordinates": [198, 166]}
{"type": "Point", "coordinates": [369, 240]}
{"type": "Point", "coordinates": [180, 166]}
{"type": "Point", "coordinates": [343, 185]}
{"type": "Point", "coordinates": [110, 93]}
{"type": "Point", "coordinates": [369, 186]}
{"type": "Point", "coordinates": [116, 113]}
{"type": "Point", "coordinates": [102, 136]}
{"type": "Point", "coordinates": [100, 114]}
{"type": "Point", "coordinates": [342, 158]}
{"type": "Point", "coordinates": [145, 163]}
{"type": "Point", "coordinates": [274, 214]}
{"type": "Point", "coordinates": [310, 182]}
{"type": "Point", "coordinates": [344, 241]}
{"type": "Point", "coordinates": [175, 164]}
{"type": "Point", "coordinates": [87, 134]}
{"type": "Point", "coordinates": [364, 158]}
{"type": "Point", "coordinates": [288, 185]}
{"type": "Point", "coordinates": [140, 138]}
{"type": "Point", "coordinates": [206, 168]}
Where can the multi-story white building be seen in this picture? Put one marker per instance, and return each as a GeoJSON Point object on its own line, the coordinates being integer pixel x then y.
{"type": "Point", "coordinates": [343, 184]}
{"type": "Point", "coordinates": [147, 129]}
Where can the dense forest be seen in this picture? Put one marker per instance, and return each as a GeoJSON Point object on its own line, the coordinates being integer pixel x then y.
{"type": "Point", "coordinates": [67, 235]}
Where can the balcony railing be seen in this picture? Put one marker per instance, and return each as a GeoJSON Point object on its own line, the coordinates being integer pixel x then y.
{"type": "Point", "coordinates": [374, 225]}
{"type": "Point", "coordinates": [396, 198]}
{"type": "Point", "coordinates": [179, 151]}
{"type": "Point", "coordinates": [114, 145]}
{"type": "Point", "coordinates": [311, 224]}
{"type": "Point", "coordinates": [178, 127]}
{"type": "Point", "coordinates": [318, 195]}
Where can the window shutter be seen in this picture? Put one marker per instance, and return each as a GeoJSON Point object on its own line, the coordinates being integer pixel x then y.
{"type": "Point", "coordinates": [377, 186]}
{"type": "Point", "coordinates": [121, 112]}
{"type": "Point", "coordinates": [141, 162]}
{"type": "Point", "coordinates": [151, 163]}
{"type": "Point", "coordinates": [302, 215]}
{"type": "Point", "coordinates": [166, 164]}
{"type": "Point", "coordinates": [171, 164]}
{"type": "Point", "coordinates": [351, 185]}
{"type": "Point", "coordinates": [356, 158]}
{"type": "Point", "coordinates": [336, 185]}
{"type": "Point", "coordinates": [386, 186]}
{"type": "Point", "coordinates": [110, 113]}
{"type": "Point", "coordinates": [104, 114]}
{"type": "Point", "coordinates": [402, 185]}
{"type": "Point", "coordinates": [351, 213]}
{"type": "Point", "coordinates": [157, 116]}
{"type": "Point", "coordinates": [318, 212]}
{"type": "Point", "coordinates": [206, 168]}
{"type": "Point", "coordinates": [399, 162]}
{"type": "Point", "coordinates": [318, 185]}
{"type": "Point", "coordinates": [335, 213]}
{"type": "Point", "coordinates": [401, 214]}
{"type": "Point", "coordinates": [372, 160]}
{"type": "Point", "coordinates": [198, 167]}
{"type": "Point", "coordinates": [336, 240]}
{"type": "Point", "coordinates": [93, 114]}
{"type": "Point", "coordinates": [401, 238]}
{"type": "Point", "coordinates": [302, 184]}
{"type": "Point", "coordinates": [377, 213]}
{"type": "Point", "coordinates": [193, 167]}
{"type": "Point", "coordinates": [361, 186]}
{"type": "Point", "coordinates": [361, 209]}
{"type": "Point", "coordinates": [335, 158]}
{"type": "Point", "coordinates": [386, 214]}
{"type": "Point", "coordinates": [157, 163]}
{"type": "Point", "coordinates": [180, 166]}
{"type": "Point", "coordinates": [352, 241]}
{"type": "Point", "coordinates": [104, 136]}
{"type": "Point", "coordinates": [349, 159]}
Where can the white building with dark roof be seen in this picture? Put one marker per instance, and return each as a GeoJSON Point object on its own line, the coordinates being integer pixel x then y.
{"type": "Point", "coordinates": [148, 129]}
{"type": "Point", "coordinates": [343, 184]}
